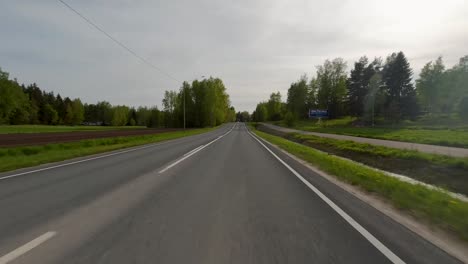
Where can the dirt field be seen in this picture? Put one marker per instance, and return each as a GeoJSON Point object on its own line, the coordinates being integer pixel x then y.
{"type": "Point", "coordinates": [12, 140]}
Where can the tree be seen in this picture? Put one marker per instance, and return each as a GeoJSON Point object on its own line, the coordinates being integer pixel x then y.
{"type": "Point", "coordinates": [454, 86]}
{"type": "Point", "coordinates": [400, 92]}
{"type": "Point", "coordinates": [290, 119]}
{"type": "Point", "coordinates": [104, 112]}
{"type": "Point", "coordinates": [331, 86]}
{"type": "Point", "coordinates": [298, 95]}
{"type": "Point", "coordinates": [50, 116]}
{"type": "Point", "coordinates": [261, 112]}
{"type": "Point", "coordinates": [68, 112]}
{"type": "Point", "coordinates": [358, 84]}
{"type": "Point", "coordinates": [169, 105]}
{"type": "Point", "coordinates": [429, 85]}
{"type": "Point", "coordinates": [61, 108]}
{"type": "Point", "coordinates": [374, 99]}
{"type": "Point", "coordinates": [232, 114]}
{"type": "Point", "coordinates": [156, 118]}
{"type": "Point", "coordinates": [13, 101]}
{"type": "Point", "coordinates": [274, 107]}
{"type": "Point", "coordinates": [119, 115]}
{"type": "Point", "coordinates": [77, 112]}
{"type": "Point", "coordinates": [243, 116]}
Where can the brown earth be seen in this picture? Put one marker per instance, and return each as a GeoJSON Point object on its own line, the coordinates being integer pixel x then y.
{"type": "Point", "coordinates": [28, 139]}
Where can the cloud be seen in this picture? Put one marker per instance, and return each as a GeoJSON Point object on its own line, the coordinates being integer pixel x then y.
{"type": "Point", "coordinates": [256, 47]}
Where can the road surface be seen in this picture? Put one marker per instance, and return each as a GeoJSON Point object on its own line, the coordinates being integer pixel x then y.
{"type": "Point", "coordinates": [431, 149]}
{"type": "Point", "coordinates": [219, 197]}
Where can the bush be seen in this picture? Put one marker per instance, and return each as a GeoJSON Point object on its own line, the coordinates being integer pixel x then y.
{"type": "Point", "coordinates": [289, 119]}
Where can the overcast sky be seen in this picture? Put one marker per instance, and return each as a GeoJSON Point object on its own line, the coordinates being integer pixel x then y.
{"type": "Point", "coordinates": [255, 47]}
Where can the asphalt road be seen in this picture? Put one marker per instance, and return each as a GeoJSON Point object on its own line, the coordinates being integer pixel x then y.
{"type": "Point", "coordinates": [220, 197]}
{"type": "Point", "coordinates": [431, 149]}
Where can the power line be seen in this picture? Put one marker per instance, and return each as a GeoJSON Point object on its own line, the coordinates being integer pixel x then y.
{"type": "Point", "coordinates": [118, 42]}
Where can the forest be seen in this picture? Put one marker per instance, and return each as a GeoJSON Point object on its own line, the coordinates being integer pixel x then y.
{"type": "Point", "coordinates": [374, 90]}
{"type": "Point", "coordinates": [206, 104]}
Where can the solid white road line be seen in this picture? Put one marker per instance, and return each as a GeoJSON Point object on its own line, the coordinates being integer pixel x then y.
{"type": "Point", "coordinates": [194, 151]}
{"type": "Point", "coordinates": [26, 247]}
{"type": "Point", "coordinates": [80, 161]}
{"type": "Point", "coordinates": [188, 153]}
{"type": "Point", "coordinates": [84, 160]}
{"type": "Point", "coordinates": [373, 240]}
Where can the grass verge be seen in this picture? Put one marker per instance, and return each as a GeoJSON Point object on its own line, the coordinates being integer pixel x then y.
{"type": "Point", "coordinates": [444, 136]}
{"type": "Point", "coordinates": [437, 207]}
{"type": "Point", "coordinates": [21, 157]}
{"type": "Point", "coordinates": [446, 172]}
{"type": "Point", "coordinates": [15, 129]}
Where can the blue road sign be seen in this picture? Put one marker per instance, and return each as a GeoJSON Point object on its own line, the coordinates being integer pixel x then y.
{"type": "Point", "coordinates": [316, 113]}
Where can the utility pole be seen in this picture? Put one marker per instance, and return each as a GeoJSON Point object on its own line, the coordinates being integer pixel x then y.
{"type": "Point", "coordinates": [184, 109]}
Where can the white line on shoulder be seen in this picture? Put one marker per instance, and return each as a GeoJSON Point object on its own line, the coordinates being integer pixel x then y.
{"type": "Point", "coordinates": [366, 234]}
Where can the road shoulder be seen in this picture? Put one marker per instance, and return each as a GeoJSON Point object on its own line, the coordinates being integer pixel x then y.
{"type": "Point", "coordinates": [438, 237]}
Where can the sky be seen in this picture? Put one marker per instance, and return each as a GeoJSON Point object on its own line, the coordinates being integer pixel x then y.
{"type": "Point", "coordinates": [255, 46]}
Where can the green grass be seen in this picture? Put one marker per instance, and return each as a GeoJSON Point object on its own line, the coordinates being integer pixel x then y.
{"type": "Point", "coordinates": [12, 129]}
{"type": "Point", "coordinates": [21, 157]}
{"type": "Point", "coordinates": [436, 206]}
{"type": "Point", "coordinates": [408, 132]}
{"type": "Point", "coordinates": [446, 172]}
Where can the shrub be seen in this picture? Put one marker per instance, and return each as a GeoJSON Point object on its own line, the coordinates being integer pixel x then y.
{"type": "Point", "coordinates": [289, 119]}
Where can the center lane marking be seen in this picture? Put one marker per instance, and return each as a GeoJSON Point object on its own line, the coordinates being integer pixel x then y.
{"type": "Point", "coordinates": [26, 247]}
{"type": "Point", "coordinates": [194, 151]}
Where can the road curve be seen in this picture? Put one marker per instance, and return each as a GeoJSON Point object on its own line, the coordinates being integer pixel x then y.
{"type": "Point", "coordinates": [220, 197]}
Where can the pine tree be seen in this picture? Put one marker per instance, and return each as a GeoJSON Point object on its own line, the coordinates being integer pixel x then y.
{"type": "Point", "coordinates": [356, 87]}
{"type": "Point", "coordinates": [401, 94]}
{"type": "Point", "coordinates": [358, 84]}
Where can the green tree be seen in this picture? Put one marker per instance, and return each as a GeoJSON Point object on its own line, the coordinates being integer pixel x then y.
{"type": "Point", "coordinates": [261, 112]}
{"type": "Point", "coordinates": [454, 86]}
{"type": "Point", "coordinates": [50, 115]}
{"type": "Point", "coordinates": [358, 84]}
{"type": "Point", "coordinates": [298, 95]}
{"type": "Point", "coordinates": [156, 118]}
{"type": "Point", "coordinates": [290, 119]}
{"type": "Point", "coordinates": [275, 107]}
{"type": "Point", "coordinates": [374, 100]}
{"type": "Point", "coordinates": [77, 112]}
{"type": "Point", "coordinates": [429, 85]}
{"type": "Point", "coordinates": [331, 86]}
{"type": "Point", "coordinates": [243, 116]}
{"type": "Point", "coordinates": [169, 105]}
{"type": "Point", "coordinates": [13, 101]}
{"type": "Point", "coordinates": [400, 92]}
{"type": "Point", "coordinates": [119, 115]}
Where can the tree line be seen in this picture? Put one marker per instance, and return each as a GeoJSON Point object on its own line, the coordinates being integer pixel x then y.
{"type": "Point", "coordinates": [373, 89]}
{"type": "Point", "coordinates": [206, 103]}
